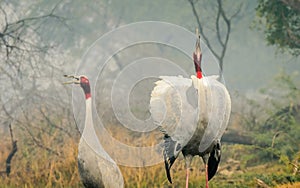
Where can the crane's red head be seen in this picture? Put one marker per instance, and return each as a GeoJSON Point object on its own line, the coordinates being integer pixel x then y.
{"type": "Point", "coordinates": [197, 63]}
{"type": "Point", "coordinates": [197, 55]}
{"type": "Point", "coordinates": [84, 83]}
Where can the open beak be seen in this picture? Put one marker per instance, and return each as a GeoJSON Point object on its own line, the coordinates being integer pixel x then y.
{"type": "Point", "coordinates": [75, 81]}
{"type": "Point", "coordinates": [198, 48]}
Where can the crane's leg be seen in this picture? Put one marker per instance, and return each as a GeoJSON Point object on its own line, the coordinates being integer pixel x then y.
{"type": "Point", "coordinates": [205, 160]}
{"type": "Point", "coordinates": [188, 160]}
{"type": "Point", "coordinates": [206, 176]}
{"type": "Point", "coordinates": [187, 178]}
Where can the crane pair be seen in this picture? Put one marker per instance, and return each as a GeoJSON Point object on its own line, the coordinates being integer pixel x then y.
{"type": "Point", "coordinates": [204, 108]}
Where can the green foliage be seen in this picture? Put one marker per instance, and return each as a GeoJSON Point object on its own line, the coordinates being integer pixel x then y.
{"type": "Point", "coordinates": [276, 136]}
{"type": "Point", "coordinates": [275, 179]}
{"type": "Point", "coordinates": [282, 21]}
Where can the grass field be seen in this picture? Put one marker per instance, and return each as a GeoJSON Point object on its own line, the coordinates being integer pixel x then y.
{"type": "Point", "coordinates": [33, 166]}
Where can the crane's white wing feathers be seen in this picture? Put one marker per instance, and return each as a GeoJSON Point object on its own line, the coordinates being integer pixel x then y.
{"type": "Point", "coordinates": [171, 108]}
{"type": "Point", "coordinates": [218, 107]}
{"type": "Point", "coordinates": [174, 107]}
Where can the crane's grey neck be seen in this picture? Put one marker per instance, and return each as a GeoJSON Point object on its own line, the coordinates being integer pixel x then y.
{"type": "Point", "coordinates": [89, 133]}
{"type": "Point", "coordinates": [88, 126]}
{"type": "Point", "coordinates": [199, 85]}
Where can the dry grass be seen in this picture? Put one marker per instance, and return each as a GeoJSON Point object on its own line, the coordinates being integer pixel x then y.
{"type": "Point", "coordinates": [294, 185]}
{"type": "Point", "coordinates": [33, 166]}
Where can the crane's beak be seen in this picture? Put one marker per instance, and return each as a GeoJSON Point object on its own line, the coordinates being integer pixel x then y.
{"type": "Point", "coordinates": [75, 81]}
{"type": "Point", "coordinates": [198, 48]}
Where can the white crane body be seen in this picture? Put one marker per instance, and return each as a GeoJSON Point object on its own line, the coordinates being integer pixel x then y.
{"type": "Point", "coordinates": [96, 168]}
{"type": "Point", "coordinates": [193, 115]}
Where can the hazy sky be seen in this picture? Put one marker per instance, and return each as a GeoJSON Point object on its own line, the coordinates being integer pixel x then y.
{"type": "Point", "coordinates": [249, 63]}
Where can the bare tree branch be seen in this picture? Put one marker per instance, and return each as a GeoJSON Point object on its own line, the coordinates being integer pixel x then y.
{"type": "Point", "coordinates": [203, 35]}
{"type": "Point", "coordinates": [35, 140]}
{"type": "Point", "coordinates": [218, 26]}
{"type": "Point", "coordinates": [12, 152]}
{"type": "Point", "coordinates": [224, 44]}
{"type": "Point", "coordinates": [14, 34]}
{"type": "Point", "coordinates": [223, 41]}
{"type": "Point", "coordinates": [53, 124]}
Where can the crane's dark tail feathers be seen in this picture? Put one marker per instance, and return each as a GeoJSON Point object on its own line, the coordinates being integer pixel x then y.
{"type": "Point", "coordinates": [171, 150]}
{"type": "Point", "coordinates": [214, 159]}
{"type": "Point", "coordinates": [168, 164]}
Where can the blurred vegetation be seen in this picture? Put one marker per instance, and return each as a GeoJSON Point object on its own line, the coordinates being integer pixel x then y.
{"type": "Point", "coordinates": [282, 21]}
{"type": "Point", "coordinates": [272, 160]}
{"type": "Point", "coordinates": [48, 139]}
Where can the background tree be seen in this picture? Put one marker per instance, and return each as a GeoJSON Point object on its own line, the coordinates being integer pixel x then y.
{"type": "Point", "coordinates": [35, 43]}
{"type": "Point", "coordinates": [282, 23]}
{"type": "Point", "coordinates": [221, 21]}
{"type": "Point", "coordinates": [28, 63]}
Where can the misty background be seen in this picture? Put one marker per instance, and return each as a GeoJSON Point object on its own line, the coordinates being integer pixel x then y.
{"type": "Point", "coordinates": [43, 40]}
{"type": "Point", "coordinates": [249, 63]}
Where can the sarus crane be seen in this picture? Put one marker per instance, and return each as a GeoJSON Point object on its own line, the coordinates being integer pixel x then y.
{"type": "Point", "coordinates": [96, 168]}
{"type": "Point", "coordinates": [193, 115]}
